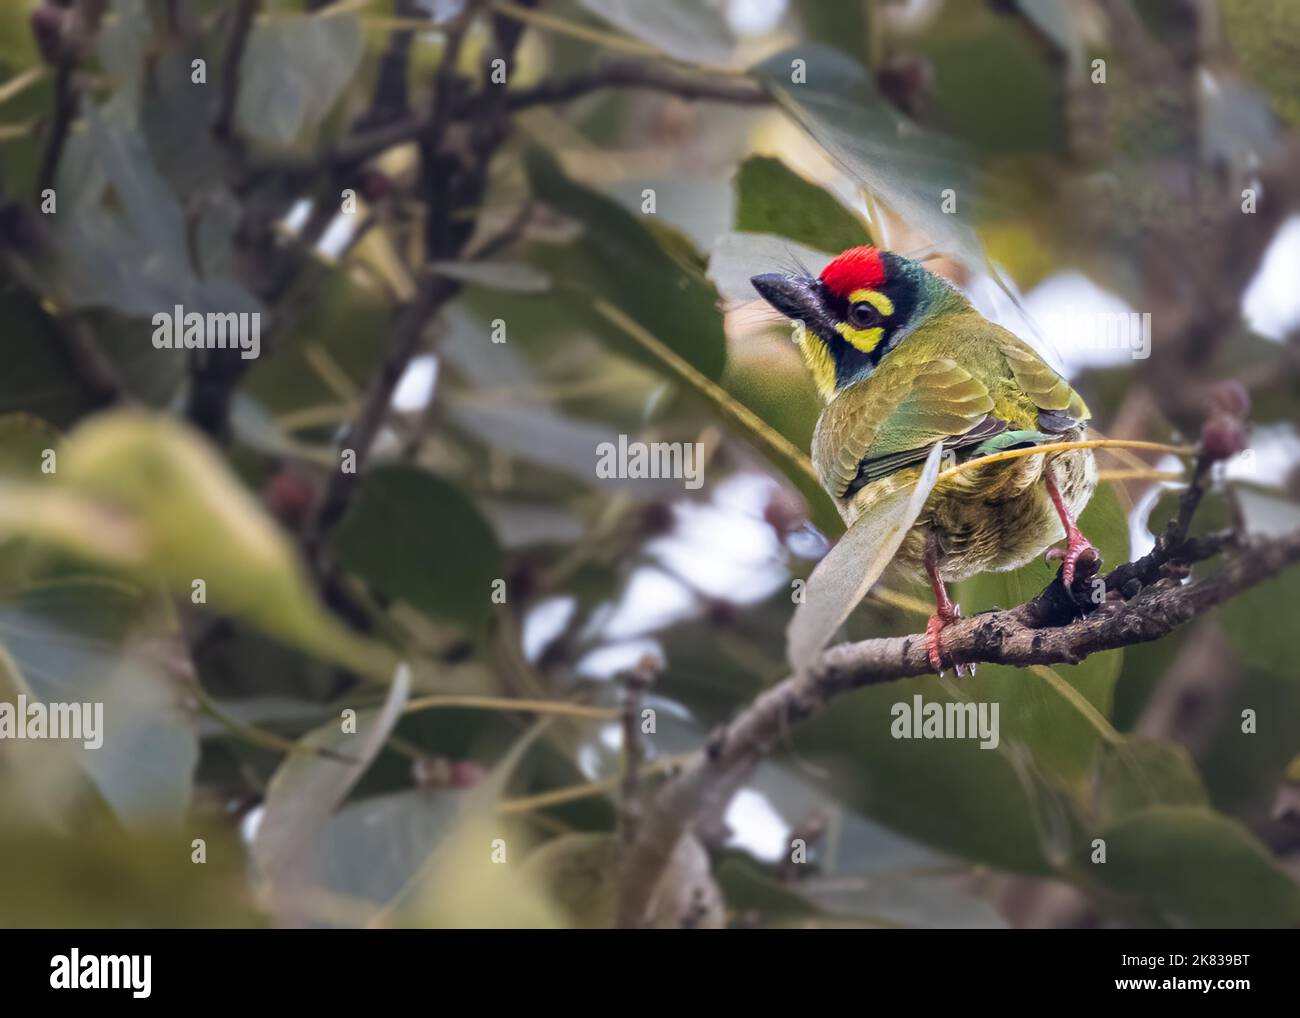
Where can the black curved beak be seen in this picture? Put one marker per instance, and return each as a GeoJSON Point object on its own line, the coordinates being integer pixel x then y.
{"type": "Point", "coordinates": [793, 296]}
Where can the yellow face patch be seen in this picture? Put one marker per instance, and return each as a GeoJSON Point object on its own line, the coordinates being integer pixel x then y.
{"type": "Point", "coordinates": [863, 339]}
{"type": "Point", "coordinates": [875, 298]}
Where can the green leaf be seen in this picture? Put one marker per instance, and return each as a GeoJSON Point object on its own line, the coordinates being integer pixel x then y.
{"type": "Point", "coordinates": [1242, 769]}
{"type": "Point", "coordinates": [772, 198]}
{"type": "Point", "coordinates": [122, 879]}
{"type": "Point", "coordinates": [24, 439]}
{"type": "Point", "coordinates": [1263, 34]}
{"type": "Point", "coordinates": [1140, 773]}
{"type": "Point", "coordinates": [496, 275]}
{"type": "Point", "coordinates": [293, 71]}
{"type": "Point", "coordinates": [471, 877]}
{"type": "Point", "coordinates": [1195, 867]}
{"type": "Point", "coordinates": [37, 379]}
{"type": "Point", "coordinates": [416, 537]}
{"type": "Point", "coordinates": [308, 787]}
{"type": "Point", "coordinates": [900, 900]}
{"type": "Point", "coordinates": [198, 522]}
{"type": "Point", "coordinates": [372, 848]}
{"type": "Point", "coordinates": [1260, 625]}
{"type": "Point", "coordinates": [95, 641]}
{"type": "Point", "coordinates": [939, 792]}
{"type": "Point", "coordinates": [841, 579]}
{"type": "Point", "coordinates": [120, 238]}
{"type": "Point", "coordinates": [997, 85]}
{"type": "Point", "coordinates": [845, 26]}
{"type": "Point", "coordinates": [580, 874]}
{"type": "Point", "coordinates": [895, 161]}
{"type": "Point", "coordinates": [619, 259]}
{"type": "Point", "coordinates": [342, 321]}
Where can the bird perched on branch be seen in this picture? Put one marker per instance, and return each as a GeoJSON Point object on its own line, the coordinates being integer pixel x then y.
{"type": "Point", "coordinates": [905, 363]}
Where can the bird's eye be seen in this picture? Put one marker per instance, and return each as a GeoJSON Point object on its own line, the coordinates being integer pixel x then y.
{"type": "Point", "coordinates": [863, 315]}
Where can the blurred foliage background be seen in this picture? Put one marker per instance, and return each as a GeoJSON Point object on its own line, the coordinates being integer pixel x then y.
{"type": "Point", "coordinates": [396, 698]}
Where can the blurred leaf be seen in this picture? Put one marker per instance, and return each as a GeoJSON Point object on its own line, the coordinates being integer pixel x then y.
{"type": "Point", "coordinates": [1053, 19]}
{"type": "Point", "coordinates": [685, 29]}
{"type": "Point", "coordinates": [1264, 34]}
{"type": "Point", "coordinates": [939, 792]}
{"type": "Point", "coordinates": [475, 876]}
{"type": "Point", "coordinates": [496, 275]}
{"type": "Point", "coordinates": [1241, 768]}
{"type": "Point", "coordinates": [120, 239]}
{"type": "Point", "coordinates": [414, 536]}
{"type": "Point", "coordinates": [1259, 624]}
{"type": "Point", "coordinates": [370, 849]}
{"type": "Point", "coordinates": [897, 163]}
{"type": "Point", "coordinates": [122, 880]}
{"type": "Point", "coordinates": [843, 25]}
{"type": "Point", "coordinates": [294, 68]}
{"type": "Point", "coordinates": [995, 86]}
{"type": "Point", "coordinates": [619, 259]}
{"type": "Point", "coordinates": [916, 902]}
{"type": "Point", "coordinates": [340, 322]}
{"type": "Point", "coordinates": [1140, 773]}
{"type": "Point", "coordinates": [841, 579]}
{"type": "Point", "coordinates": [308, 787]}
{"type": "Point", "coordinates": [1195, 867]}
{"type": "Point", "coordinates": [747, 889]}
{"type": "Point", "coordinates": [580, 873]}
{"type": "Point", "coordinates": [772, 198]}
{"type": "Point", "coordinates": [23, 441]}
{"type": "Point", "coordinates": [540, 434]}
{"type": "Point", "coordinates": [37, 379]}
{"type": "Point", "coordinates": [201, 523]}
{"type": "Point", "coordinates": [95, 641]}
{"type": "Point", "coordinates": [738, 256]}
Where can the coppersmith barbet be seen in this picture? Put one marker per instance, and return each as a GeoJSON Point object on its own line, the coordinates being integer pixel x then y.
{"type": "Point", "coordinates": [903, 361]}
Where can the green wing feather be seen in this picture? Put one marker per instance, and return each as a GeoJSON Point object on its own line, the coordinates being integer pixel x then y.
{"type": "Point", "coordinates": [891, 420]}
{"type": "Point", "coordinates": [1048, 390]}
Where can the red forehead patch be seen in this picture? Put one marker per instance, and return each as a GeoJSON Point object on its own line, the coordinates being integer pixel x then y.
{"type": "Point", "coordinates": [858, 268]}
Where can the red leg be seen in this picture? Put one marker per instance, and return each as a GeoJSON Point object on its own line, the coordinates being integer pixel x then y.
{"type": "Point", "coordinates": [1076, 545]}
{"type": "Point", "coordinates": [945, 611]}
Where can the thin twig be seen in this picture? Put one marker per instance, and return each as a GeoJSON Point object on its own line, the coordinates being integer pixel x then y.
{"type": "Point", "coordinates": [65, 110]}
{"type": "Point", "coordinates": [656, 76]}
{"type": "Point", "coordinates": [635, 684]}
{"type": "Point", "coordinates": [242, 25]}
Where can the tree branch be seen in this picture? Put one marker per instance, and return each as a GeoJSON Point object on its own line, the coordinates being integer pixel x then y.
{"type": "Point", "coordinates": [613, 74]}
{"type": "Point", "coordinates": [999, 637]}
{"type": "Point", "coordinates": [65, 110]}
{"type": "Point", "coordinates": [1144, 601]}
{"type": "Point", "coordinates": [642, 74]}
{"type": "Point", "coordinates": [232, 57]}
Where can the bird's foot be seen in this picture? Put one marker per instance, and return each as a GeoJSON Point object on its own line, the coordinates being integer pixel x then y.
{"type": "Point", "coordinates": [943, 615]}
{"type": "Point", "coordinates": [1077, 547]}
